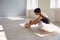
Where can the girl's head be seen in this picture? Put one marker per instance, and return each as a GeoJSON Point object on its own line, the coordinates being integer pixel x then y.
{"type": "Point", "coordinates": [37, 11]}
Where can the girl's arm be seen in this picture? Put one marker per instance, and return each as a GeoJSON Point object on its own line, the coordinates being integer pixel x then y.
{"type": "Point", "coordinates": [35, 21]}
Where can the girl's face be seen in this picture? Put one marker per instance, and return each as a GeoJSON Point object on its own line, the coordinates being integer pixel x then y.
{"type": "Point", "coordinates": [37, 13]}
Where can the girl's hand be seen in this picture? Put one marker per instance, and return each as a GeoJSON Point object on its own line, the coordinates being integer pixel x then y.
{"type": "Point", "coordinates": [27, 25]}
{"type": "Point", "coordinates": [31, 22]}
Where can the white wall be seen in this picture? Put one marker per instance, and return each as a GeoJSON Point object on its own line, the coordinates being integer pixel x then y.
{"type": "Point", "coordinates": [57, 14]}
{"type": "Point", "coordinates": [9, 8]}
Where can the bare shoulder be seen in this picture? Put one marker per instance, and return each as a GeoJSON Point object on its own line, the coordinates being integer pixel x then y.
{"type": "Point", "coordinates": [44, 14]}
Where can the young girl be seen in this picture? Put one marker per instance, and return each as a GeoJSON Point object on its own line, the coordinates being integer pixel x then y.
{"type": "Point", "coordinates": [40, 18]}
{"type": "Point", "coordinates": [43, 22]}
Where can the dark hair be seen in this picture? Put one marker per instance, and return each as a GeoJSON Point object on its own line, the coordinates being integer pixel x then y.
{"type": "Point", "coordinates": [37, 10]}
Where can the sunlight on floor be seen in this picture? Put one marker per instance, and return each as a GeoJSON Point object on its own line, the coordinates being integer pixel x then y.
{"type": "Point", "coordinates": [15, 18]}
{"type": "Point", "coordinates": [2, 36]}
{"type": "Point", "coordinates": [1, 28]}
{"type": "Point", "coordinates": [22, 24]}
{"type": "Point", "coordinates": [41, 35]}
{"type": "Point", "coordinates": [2, 33]}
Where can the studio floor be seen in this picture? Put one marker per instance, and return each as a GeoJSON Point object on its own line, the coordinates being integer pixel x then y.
{"type": "Point", "coordinates": [11, 29]}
